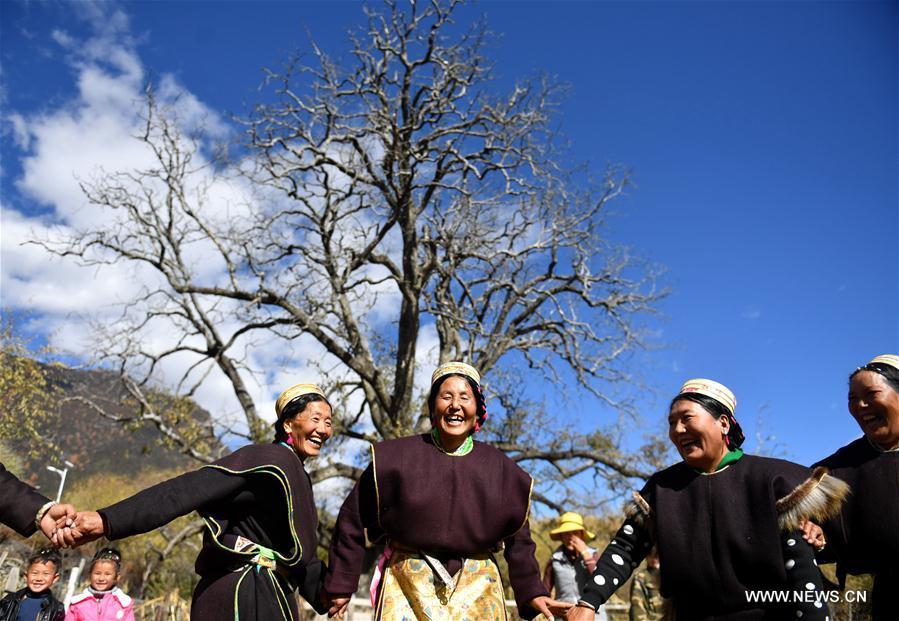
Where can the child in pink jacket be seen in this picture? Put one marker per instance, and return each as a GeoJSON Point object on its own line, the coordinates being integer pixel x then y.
{"type": "Point", "coordinates": [102, 600]}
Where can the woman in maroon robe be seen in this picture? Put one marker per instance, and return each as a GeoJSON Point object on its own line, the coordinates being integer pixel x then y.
{"type": "Point", "coordinates": [260, 539]}
{"type": "Point", "coordinates": [444, 504]}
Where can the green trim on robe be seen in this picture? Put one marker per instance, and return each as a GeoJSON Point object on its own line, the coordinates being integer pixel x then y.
{"type": "Point", "coordinates": [729, 458]}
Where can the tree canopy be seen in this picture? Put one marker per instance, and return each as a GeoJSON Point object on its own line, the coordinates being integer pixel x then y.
{"type": "Point", "coordinates": [396, 209]}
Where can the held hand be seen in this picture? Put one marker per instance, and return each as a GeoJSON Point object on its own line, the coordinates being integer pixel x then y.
{"type": "Point", "coordinates": [813, 534]}
{"type": "Point", "coordinates": [338, 607]}
{"type": "Point", "coordinates": [581, 613]}
{"type": "Point", "coordinates": [88, 526]}
{"type": "Point", "coordinates": [550, 607]}
{"type": "Point", "coordinates": [56, 515]}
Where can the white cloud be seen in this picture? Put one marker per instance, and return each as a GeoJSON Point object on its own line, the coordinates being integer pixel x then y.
{"type": "Point", "coordinates": [32, 278]}
{"type": "Point", "coordinates": [93, 134]}
{"type": "Point", "coordinates": [751, 314]}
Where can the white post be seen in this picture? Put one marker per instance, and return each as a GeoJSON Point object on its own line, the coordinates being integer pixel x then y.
{"type": "Point", "coordinates": [62, 477]}
{"type": "Point", "coordinates": [74, 575]}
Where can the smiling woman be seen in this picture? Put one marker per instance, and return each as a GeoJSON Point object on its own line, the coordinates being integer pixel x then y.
{"type": "Point", "coordinates": [726, 524]}
{"type": "Point", "coordinates": [443, 504]}
{"type": "Point", "coordinates": [260, 539]}
{"type": "Point", "coordinates": [864, 539]}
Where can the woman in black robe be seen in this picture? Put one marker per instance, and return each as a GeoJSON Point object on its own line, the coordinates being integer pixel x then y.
{"type": "Point", "coordinates": [726, 524]}
{"type": "Point", "coordinates": [864, 538]}
{"type": "Point", "coordinates": [444, 504]}
{"type": "Point", "coordinates": [260, 540]}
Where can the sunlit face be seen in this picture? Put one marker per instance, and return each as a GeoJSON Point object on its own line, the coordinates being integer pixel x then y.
{"type": "Point", "coordinates": [104, 575]}
{"type": "Point", "coordinates": [697, 435]}
{"type": "Point", "coordinates": [455, 410]}
{"type": "Point", "coordinates": [41, 576]}
{"type": "Point", "coordinates": [875, 406]}
{"type": "Point", "coordinates": [310, 429]}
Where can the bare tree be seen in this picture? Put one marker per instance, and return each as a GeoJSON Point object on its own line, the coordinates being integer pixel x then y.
{"type": "Point", "coordinates": [398, 194]}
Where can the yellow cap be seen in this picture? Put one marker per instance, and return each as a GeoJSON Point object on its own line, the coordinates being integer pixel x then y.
{"type": "Point", "coordinates": [297, 390]}
{"type": "Point", "coordinates": [710, 388]}
{"type": "Point", "coordinates": [456, 367]}
{"type": "Point", "coordinates": [569, 522]}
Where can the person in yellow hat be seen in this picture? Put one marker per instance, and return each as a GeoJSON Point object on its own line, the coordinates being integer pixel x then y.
{"type": "Point", "coordinates": [571, 564]}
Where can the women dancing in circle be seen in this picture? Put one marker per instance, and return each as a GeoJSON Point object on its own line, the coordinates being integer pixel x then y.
{"type": "Point", "coordinates": [726, 524]}
{"type": "Point", "coordinates": [444, 504]}
{"type": "Point", "coordinates": [864, 538]}
{"type": "Point", "coordinates": [260, 539]}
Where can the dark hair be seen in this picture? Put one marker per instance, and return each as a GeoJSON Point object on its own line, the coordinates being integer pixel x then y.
{"type": "Point", "coordinates": [108, 554]}
{"type": "Point", "coordinates": [712, 406]}
{"type": "Point", "coordinates": [46, 555]}
{"type": "Point", "coordinates": [475, 389]}
{"type": "Point", "coordinates": [889, 373]}
{"type": "Point", "coordinates": [716, 409]}
{"type": "Point", "coordinates": [294, 408]}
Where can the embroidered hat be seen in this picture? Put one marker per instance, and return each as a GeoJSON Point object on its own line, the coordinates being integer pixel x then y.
{"type": "Point", "coordinates": [456, 367]}
{"type": "Point", "coordinates": [887, 359]}
{"type": "Point", "coordinates": [719, 392]}
{"type": "Point", "coordinates": [297, 390]}
{"type": "Point", "coordinates": [570, 522]}
{"type": "Point", "coordinates": [461, 368]}
{"type": "Point", "coordinates": [723, 395]}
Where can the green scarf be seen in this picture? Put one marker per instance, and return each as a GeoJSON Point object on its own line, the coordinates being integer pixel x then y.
{"type": "Point", "coordinates": [464, 449]}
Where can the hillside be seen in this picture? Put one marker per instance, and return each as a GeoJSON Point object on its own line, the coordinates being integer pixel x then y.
{"type": "Point", "coordinates": [91, 442]}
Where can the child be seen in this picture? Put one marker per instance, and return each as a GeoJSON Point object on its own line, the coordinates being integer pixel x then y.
{"type": "Point", "coordinates": [35, 602]}
{"type": "Point", "coordinates": [102, 600]}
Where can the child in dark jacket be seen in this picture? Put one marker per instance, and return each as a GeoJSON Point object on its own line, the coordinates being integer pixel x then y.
{"type": "Point", "coordinates": [36, 602]}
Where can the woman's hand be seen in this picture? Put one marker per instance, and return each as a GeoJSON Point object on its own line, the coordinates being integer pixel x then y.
{"type": "Point", "coordinates": [550, 607]}
{"type": "Point", "coordinates": [581, 613]}
{"type": "Point", "coordinates": [578, 545]}
{"type": "Point", "coordinates": [814, 534]}
{"type": "Point", "coordinates": [86, 527]}
{"type": "Point", "coordinates": [339, 605]}
{"type": "Point", "coordinates": [57, 516]}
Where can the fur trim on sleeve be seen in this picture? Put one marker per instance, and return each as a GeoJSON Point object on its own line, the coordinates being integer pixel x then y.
{"type": "Point", "coordinates": [819, 498]}
{"type": "Point", "coordinates": [640, 513]}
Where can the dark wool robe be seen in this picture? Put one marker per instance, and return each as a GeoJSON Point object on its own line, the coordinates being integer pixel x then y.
{"type": "Point", "coordinates": [260, 493]}
{"type": "Point", "coordinates": [18, 503]}
{"type": "Point", "coordinates": [864, 537]}
{"type": "Point", "coordinates": [718, 537]}
{"type": "Point", "coordinates": [418, 497]}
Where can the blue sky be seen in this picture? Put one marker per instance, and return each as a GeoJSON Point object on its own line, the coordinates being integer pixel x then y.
{"type": "Point", "coordinates": [762, 138]}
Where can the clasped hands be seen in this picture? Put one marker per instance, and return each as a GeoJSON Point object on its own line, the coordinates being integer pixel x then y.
{"type": "Point", "coordinates": [67, 528]}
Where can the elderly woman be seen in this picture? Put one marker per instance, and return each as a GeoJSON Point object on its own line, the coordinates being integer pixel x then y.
{"type": "Point", "coordinates": [864, 539]}
{"type": "Point", "coordinates": [726, 524]}
{"type": "Point", "coordinates": [260, 539]}
{"type": "Point", "coordinates": [443, 504]}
